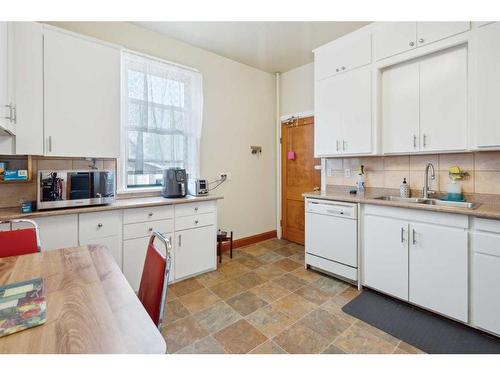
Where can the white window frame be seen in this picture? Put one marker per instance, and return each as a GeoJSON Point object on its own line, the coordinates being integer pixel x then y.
{"type": "Point", "coordinates": [121, 161]}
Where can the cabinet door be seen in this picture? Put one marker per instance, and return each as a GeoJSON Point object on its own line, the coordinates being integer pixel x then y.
{"type": "Point", "coordinates": [82, 97]}
{"type": "Point", "coordinates": [428, 32]}
{"type": "Point", "coordinates": [28, 87]}
{"type": "Point", "coordinates": [487, 78]}
{"type": "Point", "coordinates": [56, 232]}
{"type": "Point", "coordinates": [113, 244]}
{"type": "Point", "coordinates": [341, 56]}
{"type": "Point", "coordinates": [391, 38]}
{"type": "Point", "coordinates": [328, 104]}
{"type": "Point", "coordinates": [195, 251]}
{"type": "Point", "coordinates": [357, 112]}
{"type": "Point", "coordinates": [5, 123]}
{"type": "Point", "coordinates": [134, 254]}
{"type": "Point", "coordinates": [486, 304]}
{"type": "Point", "coordinates": [443, 101]}
{"type": "Point", "coordinates": [438, 269]}
{"type": "Point", "coordinates": [400, 108]}
{"type": "Point", "coordinates": [385, 255]}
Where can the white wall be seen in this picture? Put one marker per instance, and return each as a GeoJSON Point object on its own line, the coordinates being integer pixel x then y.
{"type": "Point", "coordinates": [239, 111]}
{"type": "Point", "coordinates": [297, 90]}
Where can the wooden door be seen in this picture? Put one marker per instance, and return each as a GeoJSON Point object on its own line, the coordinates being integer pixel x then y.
{"type": "Point", "coordinates": [298, 175]}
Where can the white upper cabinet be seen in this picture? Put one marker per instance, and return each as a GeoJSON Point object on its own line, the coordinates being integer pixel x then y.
{"type": "Point", "coordinates": [342, 55]}
{"type": "Point", "coordinates": [28, 87]}
{"type": "Point", "coordinates": [392, 38]}
{"type": "Point", "coordinates": [328, 116]}
{"type": "Point", "coordinates": [487, 88]}
{"type": "Point", "coordinates": [428, 32]}
{"type": "Point", "coordinates": [443, 101]}
{"type": "Point", "coordinates": [424, 104]}
{"type": "Point", "coordinates": [400, 108]}
{"type": "Point", "coordinates": [7, 125]}
{"type": "Point", "coordinates": [82, 96]}
{"type": "Point", "coordinates": [343, 112]}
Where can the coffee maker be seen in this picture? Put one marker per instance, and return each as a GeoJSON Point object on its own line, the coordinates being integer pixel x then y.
{"type": "Point", "coordinates": [174, 183]}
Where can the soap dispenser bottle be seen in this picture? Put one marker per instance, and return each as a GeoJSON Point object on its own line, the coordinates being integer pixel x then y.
{"type": "Point", "coordinates": [404, 189]}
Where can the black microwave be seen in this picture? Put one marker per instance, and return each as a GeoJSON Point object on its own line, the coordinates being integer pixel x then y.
{"type": "Point", "coordinates": [71, 188]}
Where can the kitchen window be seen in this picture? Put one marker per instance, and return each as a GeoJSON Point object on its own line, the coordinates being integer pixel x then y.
{"type": "Point", "coordinates": [161, 120]}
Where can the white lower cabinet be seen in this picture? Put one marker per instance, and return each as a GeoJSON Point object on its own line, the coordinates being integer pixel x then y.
{"type": "Point", "coordinates": [134, 254]}
{"type": "Point", "coordinates": [485, 307]}
{"type": "Point", "coordinates": [194, 251]}
{"type": "Point", "coordinates": [56, 232]}
{"type": "Point", "coordinates": [438, 269]}
{"type": "Point", "coordinates": [420, 257]}
{"type": "Point", "coordinates": [386, 255]}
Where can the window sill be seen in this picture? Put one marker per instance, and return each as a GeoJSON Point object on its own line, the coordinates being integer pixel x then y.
{"type": "Point", "coordinates": [129, 193]}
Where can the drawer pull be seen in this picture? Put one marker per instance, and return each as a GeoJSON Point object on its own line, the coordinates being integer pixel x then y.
{"type": "Point", "coordinates": [150, 229]}
{"type": "Point", "coordinates": [99, 225]}
{"type": "Point", "coordinates": [196, 208]}
{"type": "Point", "coordinates": [150, 214]}
{"type": "Point", "coordinates": [180, 240]}
{"type": "Point", "coordinates": [196, 221]}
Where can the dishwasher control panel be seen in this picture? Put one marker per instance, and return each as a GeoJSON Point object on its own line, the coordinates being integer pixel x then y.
{"type": "Point", "coordinates": [332, 208]}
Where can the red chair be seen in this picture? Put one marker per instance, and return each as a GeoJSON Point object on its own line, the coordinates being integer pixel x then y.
{"type": "Point", "coordinates": [23, 241]}
{"type": "Point", "coordinates": [154, 281]}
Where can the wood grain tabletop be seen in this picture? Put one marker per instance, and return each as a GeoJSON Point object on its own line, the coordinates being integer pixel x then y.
{"type": "Point", "coordinates": [91, 308]}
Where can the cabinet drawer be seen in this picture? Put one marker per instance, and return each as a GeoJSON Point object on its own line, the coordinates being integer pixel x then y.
{"type": "Point", "coordinates": [145, 214]}
{"type": "Point", "coordinates": [99, 225]}
{"type": "Point", "coordinates": [194, 208]}
{"type": "Point", "coordinates": [194, 221]}
{"type": "Point", "coordinates": [138, 230]}
{"type": "Point", "coordinates": [487, 225]}
{"type": "Point", "coordinates": [486, 243]}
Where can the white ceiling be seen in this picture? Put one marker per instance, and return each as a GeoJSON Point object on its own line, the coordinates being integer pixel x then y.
{"type": "Point", "coordinates": [269, 46]}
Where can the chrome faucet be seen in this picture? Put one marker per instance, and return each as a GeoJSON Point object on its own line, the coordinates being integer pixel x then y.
{"type": "Point", "coordinates": [426, 190]}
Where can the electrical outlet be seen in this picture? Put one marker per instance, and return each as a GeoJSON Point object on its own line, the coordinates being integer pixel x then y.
{"type": "Point", "coordinates": [347, 173]}
{"type": "Point", "coordinates": [225, 176]}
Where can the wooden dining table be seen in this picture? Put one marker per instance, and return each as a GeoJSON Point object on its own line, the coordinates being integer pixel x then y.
{"type": "Point", "coordinates": [91, 308]}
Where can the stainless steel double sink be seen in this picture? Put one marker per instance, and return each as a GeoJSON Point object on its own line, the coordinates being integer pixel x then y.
{"type": "Point", "coordinates": [429, 201]}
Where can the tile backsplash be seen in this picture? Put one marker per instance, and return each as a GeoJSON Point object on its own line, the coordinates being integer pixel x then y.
{"type": "Point", "coordinates": [11, 194]}
{"type": "Point", "coordinates": [388, 171]}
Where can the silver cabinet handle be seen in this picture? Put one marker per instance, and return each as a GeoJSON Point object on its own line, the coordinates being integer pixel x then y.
{"type": "Point", "coordinates": [150, 229]}
{"type": "Point", "coordinates": [196, 208]}
{"type": "Point", "coordinates": [14, 114]}
{"type": "Point", "coordinates": [343, 68]}
{"type": "Point", "coordinates": [411, 44]}
{"type": "Point", "coordinates": [424, 140]}
{"type": "Point", "coordinates": [421, 40]}
{"type": "Point", "coordinates": [337, 142]}
{"type": "Point", "coordinates": [50, 143]}
{"type": "Point", "coordinates": [337, 70]}
{"type": "Point", "coordinates": [414, 141]}
{"type": "Point", "coordinates": [150, 214]}
{"type": "Point", "coordinates": [344, 143]}
{"type": "Point", "coordinates": [180, 240]}
{"type": "Point", "coordinates": [9, 117]}
{"type": "Point", "coordinates": [402, 235]}
{"type": "Point", "coordinates": [99, 225]}
{"type": "Point", "coordinates": [414, 233]}
{"type": "Point", "coordinates": [196, 221]}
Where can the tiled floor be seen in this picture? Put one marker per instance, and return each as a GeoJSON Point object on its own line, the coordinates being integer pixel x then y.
{"type": "Point", "coordinates": [264, 301]}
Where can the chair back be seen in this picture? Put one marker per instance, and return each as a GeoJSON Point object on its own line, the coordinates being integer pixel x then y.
{"type": "Point", "coordinates": [16, 242]}
{"type": "Point", "coordinates": [154, 281]}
